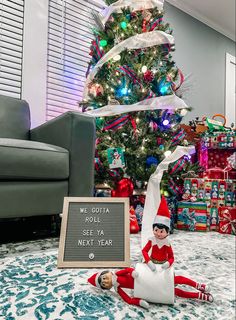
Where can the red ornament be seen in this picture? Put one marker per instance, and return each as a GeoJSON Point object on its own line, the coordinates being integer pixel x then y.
{"type": "Point", "coordinates": [148, 76]}
{"type": "Point", "coordinates": [96, 89]}
{"type": "Point", "coordinates": [153, 126]}
{"type": "Point", "coordinates": [124, 188]}
{"type": "Point", "coordinates": [134, 227]}
{"type": "Point", "coordinates": [133, 15]}
{"type": "Point", "coordinates": [144, 26]}
{"type": "Point", "coordinates": [159, 141]}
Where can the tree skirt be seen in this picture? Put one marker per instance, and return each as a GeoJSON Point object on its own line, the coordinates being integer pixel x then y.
{"type": "Point", "coordinates": [31, 286]}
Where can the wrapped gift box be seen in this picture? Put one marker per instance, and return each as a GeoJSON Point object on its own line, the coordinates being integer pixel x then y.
{"type": "Point", "coordinates": [227, 220]}
{"type": "Point", "coordinates": [214, 192]}
{"type": "Point", "coordinates": [219, 139]}
{"type": "Point", "coordinates": [192, 216]}
{"type": "Point", "coordinates": [214, 149]}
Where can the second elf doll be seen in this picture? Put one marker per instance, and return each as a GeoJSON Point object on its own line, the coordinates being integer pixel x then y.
{"type": "Point", "coordinates": [162, 253]}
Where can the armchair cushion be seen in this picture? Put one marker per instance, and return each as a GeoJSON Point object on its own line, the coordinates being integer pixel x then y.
{"type": "Point", "coordinates": [31, 160]}
{"type": "Point", "coordinates": [14, 118]}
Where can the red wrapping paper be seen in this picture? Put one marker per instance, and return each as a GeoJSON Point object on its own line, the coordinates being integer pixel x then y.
{"type": "Point", "coordinates": [227, 220]}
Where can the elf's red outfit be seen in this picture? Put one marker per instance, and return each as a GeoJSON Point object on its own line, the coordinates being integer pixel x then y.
{"type": "Point", "coordinates": [124, 279]}
{"type": "Point", "coordinates": [161, 251]}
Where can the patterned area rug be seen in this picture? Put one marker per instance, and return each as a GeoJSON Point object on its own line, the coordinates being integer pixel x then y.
{"type": "Point", "coordinates": [31, 286]}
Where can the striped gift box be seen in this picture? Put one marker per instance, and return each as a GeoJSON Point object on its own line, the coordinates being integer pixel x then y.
{"type": "Point", "coordinates": [192, 216]}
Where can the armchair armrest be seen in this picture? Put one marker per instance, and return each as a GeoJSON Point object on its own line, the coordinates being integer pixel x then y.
{"type": "Point", "coordinates": [75, 132]}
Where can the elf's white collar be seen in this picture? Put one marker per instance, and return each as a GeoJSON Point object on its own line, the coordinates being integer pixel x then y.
{"type": "Point", "coordinates": [160, 242]}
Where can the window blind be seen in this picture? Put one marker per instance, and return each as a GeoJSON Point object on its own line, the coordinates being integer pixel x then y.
{"type": "Point", "coordinates": [11, 46]}
{"type": "Point", "coordinates": [69, 38]}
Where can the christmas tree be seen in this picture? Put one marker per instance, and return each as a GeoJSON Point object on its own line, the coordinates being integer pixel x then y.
{"type": "Point", "coordinates": [133, 89]}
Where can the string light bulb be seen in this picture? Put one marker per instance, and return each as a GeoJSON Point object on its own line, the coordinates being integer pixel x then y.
{"type": "Point", "coordinates": [117, 57]}
{"type": "Point", "coordinates": [144, 69]}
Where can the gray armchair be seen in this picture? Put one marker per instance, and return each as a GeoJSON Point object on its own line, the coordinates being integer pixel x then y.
{"type": "Point", "coordinates": [39, 167]}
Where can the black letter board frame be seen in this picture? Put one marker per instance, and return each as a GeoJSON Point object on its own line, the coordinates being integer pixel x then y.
{"type": "Point", "coordinates": [115, 224]}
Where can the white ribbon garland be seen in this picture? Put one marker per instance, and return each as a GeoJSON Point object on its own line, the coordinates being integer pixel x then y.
{"type": "Point", "coordinates": [163, 102]}
{"type": "Point", "coordinates": [153, 195]}
{"type": "Point", "coordinates": [135, 5]}
{"type": "Point", "coordinates": [139, 41]}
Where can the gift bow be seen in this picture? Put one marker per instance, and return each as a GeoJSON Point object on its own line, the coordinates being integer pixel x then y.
{"type": "Point", "coordinates": [189, 218]}
{"type": "Point", "coordinates": [226, 217]}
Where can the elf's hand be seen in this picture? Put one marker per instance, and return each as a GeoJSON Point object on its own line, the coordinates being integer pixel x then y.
{"type": "Point", "coordinates": [165, 265]}
{"type": "Point", "coordinates": [144, 304]}
{"type": "Point", "coordinates": [134, 274]}
{"type": "Point", "coordinates": [151, 266]}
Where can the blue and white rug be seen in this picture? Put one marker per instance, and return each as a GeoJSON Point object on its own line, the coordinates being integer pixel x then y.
{"type": "Point", "coordinates": [31, 286]}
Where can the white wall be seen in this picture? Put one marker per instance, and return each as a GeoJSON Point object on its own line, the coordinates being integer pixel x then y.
{"type": "Point", "coordinates": [201, 53]}
{"type": "Point", "coordinates": [34, 73]}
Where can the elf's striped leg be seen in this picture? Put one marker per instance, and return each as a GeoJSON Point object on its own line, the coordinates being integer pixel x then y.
{"type": "Point", "coordinates": [193, 295]}
{"type": "Point", "coordinates": [199, 286]}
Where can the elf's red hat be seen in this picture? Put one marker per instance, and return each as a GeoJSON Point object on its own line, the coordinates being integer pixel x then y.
{"type": "Point", "coordinates": [163, 213]}
{"type": "Point", "coordinates": [94, 279]}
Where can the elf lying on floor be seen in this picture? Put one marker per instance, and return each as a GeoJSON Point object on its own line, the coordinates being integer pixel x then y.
{"type": "Point", "coordinates": [125, 279]}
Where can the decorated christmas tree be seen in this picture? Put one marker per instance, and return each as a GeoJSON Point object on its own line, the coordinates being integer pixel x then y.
{"type": "Point", "coordinates": [133, 88]}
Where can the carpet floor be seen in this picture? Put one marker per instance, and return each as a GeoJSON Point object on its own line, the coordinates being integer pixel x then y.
{"type": "Point", "coordinates": [31, 286]}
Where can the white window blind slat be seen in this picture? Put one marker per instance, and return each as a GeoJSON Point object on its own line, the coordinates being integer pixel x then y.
{"type": "Point", "coordinates": [12, 29]}
{"type": "Point", "coordinates": [58, 80]}
{"type": "Point", "coordinates": [10, 82]}
{"type": "Point", "coordinates": [5, 22]}
{"type": "Point", "coordinates": [9, 93]}
{"type": "Point", "coordinates": [11, 36]}
{"type": "Point", "coordinates": [11, 59]}
{"type": "Point", "coordinates": [59, 104]}
{"type": "Point", "coordinates": [73, 95]}
{"type": "Point", "coordinates": [70, 89]}
{"type": "Point", "coordinates": [4, 75]}
{"type": "Point", "coordinates": [9, 88]}
{"type": "Point", "coordinates": [17, 4]}
{"type": "Point", "coordinates": [11, 71]}
{"type": "Point", "coordinates": [11, 49]}
{"type": "Point", "coordinates": [69, 40]}
{"type": "Point", "coordinates": [12, 17]}
{"type": "Point", "coordinates": [12, 53]}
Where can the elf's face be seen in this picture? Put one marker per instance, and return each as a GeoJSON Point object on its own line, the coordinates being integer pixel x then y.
{"type": "Point", "coordinates": [160, 233]}
{"type": "Point", "coordinates": [107, 280]}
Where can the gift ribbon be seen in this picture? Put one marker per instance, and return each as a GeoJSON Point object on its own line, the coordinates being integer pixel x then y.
{"type": "Point", "coordinates": [189, 218]}
{"type": "Point", "coordinates": [226, 218]}
{"type": "Point", "coordinates": [178, 137]}
{"type": "Point", "coordinates": [176, 86]}
{"type": "Point", "coordinates": [130, 73]}
{"type": "Point", "coordinates": [153, 195]}
{"type": "Point", "coordinates": [155, 23]}
{"type": "Point", "coordinates": [120, 122]}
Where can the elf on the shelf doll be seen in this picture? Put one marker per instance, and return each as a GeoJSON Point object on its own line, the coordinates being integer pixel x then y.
{"type": "Point", "coordinates": [162, 253]}
{"type": "Point", "coordinates": [120, 279]}
{"type": "Point", "coordinates": [125, 279]}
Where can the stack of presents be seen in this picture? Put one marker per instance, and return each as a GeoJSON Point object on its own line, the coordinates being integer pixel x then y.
{"type": "Point", "coordinates": [209, 201]}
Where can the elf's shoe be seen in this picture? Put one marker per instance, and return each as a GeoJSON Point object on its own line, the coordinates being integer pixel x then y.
{"type": "Point", "coordinates": [205, 297]}
{"type": "Point", "coordinates": [203, 287]}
